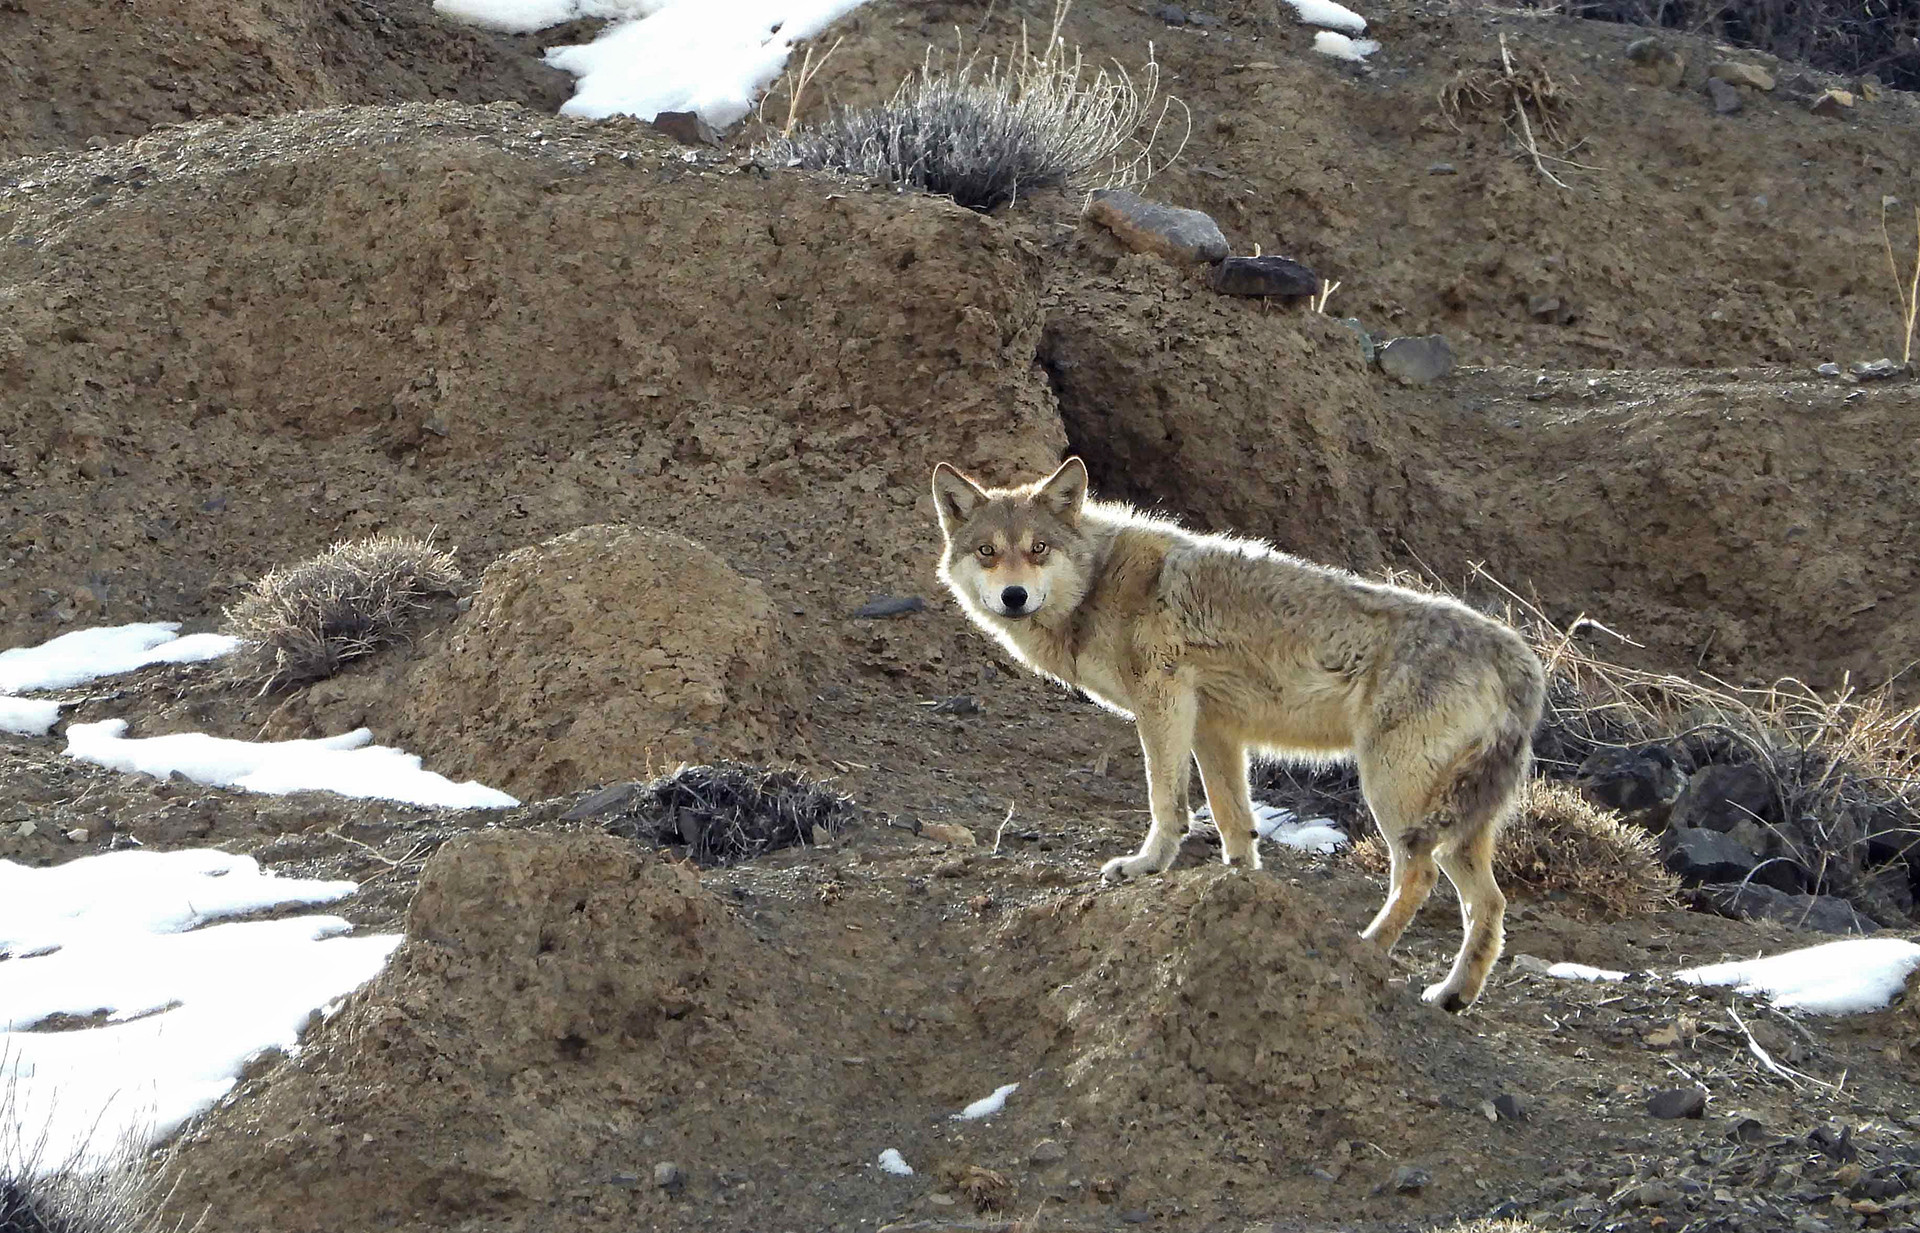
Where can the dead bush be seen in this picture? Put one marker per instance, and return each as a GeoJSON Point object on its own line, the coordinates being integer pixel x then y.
{"type": "Point", "coordinates": [1557, 845]}
{"type": "Point", "coordinates": [727, 812]}
{"type": "Point", "coordinates": [304, 622]}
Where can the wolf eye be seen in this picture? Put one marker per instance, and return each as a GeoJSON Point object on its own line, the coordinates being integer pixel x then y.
{"type": "Point", "coordinates": [986, 550]}
{"type": "Point", "coordinates": [1039, 548]}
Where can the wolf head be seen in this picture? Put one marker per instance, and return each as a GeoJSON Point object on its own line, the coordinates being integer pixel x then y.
{"type": "Point", "coordinates": [1014, 553]}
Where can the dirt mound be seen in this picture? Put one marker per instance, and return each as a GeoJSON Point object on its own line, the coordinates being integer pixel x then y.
{"type": "Point", "coordinates": [70, 73]}
{"type": "Point", "coordinates": [601, 655]}
{"type": "Point", "coordinates": [1215, 988]}
{"type": "Point", "coordinates": [550, 991]}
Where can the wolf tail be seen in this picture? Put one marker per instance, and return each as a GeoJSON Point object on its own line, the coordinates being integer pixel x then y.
{"type": "Point", "coordinates": [1494, 772]}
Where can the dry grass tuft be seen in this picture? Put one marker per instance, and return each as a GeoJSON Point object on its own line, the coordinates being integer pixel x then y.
{"type": "Point", "coordinates": [988, 1190]}
{"type": "Point", "coordinates": [1558, 844]}
{"type": "Point", "coordinates": [1908, 297]}
{"type": "Point", "coordinates": [987, 135]}
{"type": "Point", "coordinates": [306, 621]}
{"type": "Point", "coordinates": [1532, 105]}
{"type": "Point", "coordinates": [113, 1194]}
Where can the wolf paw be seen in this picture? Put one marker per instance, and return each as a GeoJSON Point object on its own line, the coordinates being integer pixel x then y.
{"type": "Point", "coordinates": [1446, 997]}
{"type": "Point", "coordinates": [1120, 868]}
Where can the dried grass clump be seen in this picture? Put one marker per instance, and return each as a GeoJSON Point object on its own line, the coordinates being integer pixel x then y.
{"type": "Point", "coordinates": [726, 812]}
{"type": "Point", "coordinates": [1532, 105]}
{"type": "Point", "coordinates": [1557, 844]}
{"type": "Point", "coordinates": [116, 1194]}
{"type": "Point", "coordinates": [986, 135]}
{"type": "Point", "coordinates": [306, 621]}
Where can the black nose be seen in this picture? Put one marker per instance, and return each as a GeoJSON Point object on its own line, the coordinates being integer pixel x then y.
{"type": "Point", "coordinates": [1013, 599]}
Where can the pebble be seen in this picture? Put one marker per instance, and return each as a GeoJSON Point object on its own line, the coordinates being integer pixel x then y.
{"type": "Point", "coordinates": [1046, 1152]}
{"type": "Point", "coordinates": [1725, 95]}
{"type": "Point", "coordinates": [1509, 1107]}
{"type": "Point", "coordinates": [1877, 370]}
{"type": "Point", "coordinates": [1678, 1102]}
{"type": "Point", "coordinates": [668, 1176]}
{"type": "Point", "coordinates": [880, 606]}
{"type": "Point", "coordinates": [1833, 103]}
{"type": "Point", "coordinates": [1735, 73]}
{"type": "Point", "coordinates": [1408, 1178]}
{"type": "Point", "coordinates": [1829, 369]}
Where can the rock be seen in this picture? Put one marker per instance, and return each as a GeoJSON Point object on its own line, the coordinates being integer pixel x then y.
{"type": "Point", "coordinates": [669, 1177]}
{"type": "Point", "coordinates": [1816, 913]}
{"type": "Point", "coordinates": [1366, 339]}
{"type": "Point", "coordinates": [78, 834]}
{"type": "Point", "coordinates": [1870, 88]}
{"type": "Point", "coordinates": [1407, 1179]}
{"type": "Point", "coordinates": [1442, 169]}
{"type": "Point", "coordinates": [1172, 14]}
{"type": "Point", "coordinates": [1876, 370]}
{"type": "Point", "coordinates": [948, 832]}
{"type": "Point", "coordinates": [1416, 361]}
{"type": "Point", "coordinates": [879, 606]}
{"type": "Point", "coordinates": [959, 704]}
{"type": "Point", "coordinates": [1700, 856]}
{"type": "Point", "coordinates": [1551, 309]}
{"type": "Point", "coordinates": [1150, 227]}
{"type": "Point", "coordinates": [1509, 1107]}
{"type": "Point", "coordinates": [1136, 1215]}
{"type": "Point", "coordinates": [1828, 369]}
{"type": "Point", "coordinates": [1719, 798]}
{"type": "Point", "coordinates": [688, 128]}
{"type": "Point", "coordinates": [1264, 276]}
{"type": "Point", "coordinates": [606, 800]}
{"type": "Point", "coordinates": [1046, 1152]}
{"type": "Point", "coordinates": [1654, 62]}
{"type": "Point", "coordinates": [1833, 102]}
{"type": "Point", "coordinates": [1735, 73]}
{"type": "Point", "coordinates": [1725, 95]}
{"type": "Point", "coordinates": [1641, 782]}
{"type": "Point", "coordinates": [1677, 1102]}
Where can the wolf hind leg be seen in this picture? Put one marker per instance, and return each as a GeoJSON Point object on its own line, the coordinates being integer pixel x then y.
{"type": "Point", "coordinates": [1401, 808]}
{"type": "Point", "coordinates": [1468, 864]}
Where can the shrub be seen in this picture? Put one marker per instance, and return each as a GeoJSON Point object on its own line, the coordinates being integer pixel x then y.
{"type": "Point", "coordinates": [1840, 36]}
{"type": "Point", "coordinates": [114, 1194]}
{"type": "Point", "coordinates": [304, 622]}
{"type": "Point", "coordinates": [984, 136]}
{"type": "Point", "coordinates": [1557, 844]}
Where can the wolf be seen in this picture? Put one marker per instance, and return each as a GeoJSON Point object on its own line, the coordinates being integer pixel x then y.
{"type": "Point", "coordinates": [1220, 648]}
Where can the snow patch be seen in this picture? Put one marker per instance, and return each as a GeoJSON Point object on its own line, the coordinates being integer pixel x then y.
{"type": "Point", "coordinates": [182, 1012]}
{"type": "Point", "coordinates": [1340, 47]}
{"type": "Point", "coordinates": [1276, 825]}
{"type": "Point", "coordinates": [1580, 971]}
{"type": "Point", "coordinates": [987, 1106]}
{"type": "Point", "coordinates": [27, 716]}
{"type": "Point", "coordinates": [1836, 978]}
{"type": "Point", "coordinates": [348, 764]}
{"type": "Point", "coordinates": [1328, 15]}
{"type": "Point", "coordinates": [891, 1161]}
{"type": "Point", "coordinates": [81, 656]}
{"type": "Point", "coordinates": [710, 56]}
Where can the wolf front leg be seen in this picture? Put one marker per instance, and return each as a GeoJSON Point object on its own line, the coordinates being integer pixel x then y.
{"type": "Point", "coordinates": [1165, 718]}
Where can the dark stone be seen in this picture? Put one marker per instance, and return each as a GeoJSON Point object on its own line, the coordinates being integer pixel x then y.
{"type": "Point", "coordinates": [1407, 1179]}
{"type": "Point", "coordinates": [1705, 856]}
{"type": "Point", "coordinates": [1719, 798]}
{"type": "Point", "coordinates": [1816, 913]}
{"type": "Point", "coordinates": [1264, 276]}
{"type": "Point", "coordinates": [606, 800]}
{"type": "Point", "coordinates": [1509, 1107]}
{"type": "Point", "coordinates": [1416, 361]}
{"type": "Point", "coordinates": [1366, 339]}
{"type": "Point", "coordinates": [1725, 95]}
{"type": "Point", "coordinates": [889, 606]}
{"type": "Point", "coordinates": [1641, 782]}
{"type": "Point", "coordinates": [1677, 1102]}
{"type": "Point", "coordinates": [959, 704]}
{"type": "Point", "coordinates": [688, 128]}
{"type": "Point", "coordinates": [1172, 14]}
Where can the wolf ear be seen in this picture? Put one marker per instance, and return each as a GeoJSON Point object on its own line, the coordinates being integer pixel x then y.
{"type": "Point", "coordinates": [1065, 491]}
{"type": "Point", "coordinates": [954, 497]}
